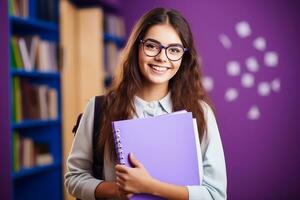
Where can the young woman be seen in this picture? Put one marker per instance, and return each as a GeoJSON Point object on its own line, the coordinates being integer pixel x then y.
{"type": "Point", "coordinates": [159, 75]}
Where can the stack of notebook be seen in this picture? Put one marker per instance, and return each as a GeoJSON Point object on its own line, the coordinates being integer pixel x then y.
{"type": "Point", "coordinates": [168, 146]}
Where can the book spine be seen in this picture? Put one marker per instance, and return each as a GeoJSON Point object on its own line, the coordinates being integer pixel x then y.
{"type": "Point", "coordinates": [118, 145]}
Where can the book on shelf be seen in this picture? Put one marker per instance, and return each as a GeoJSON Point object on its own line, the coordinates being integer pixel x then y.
{"type": "Point", "coordinates": [28, 153]}
{"type": "Point", "coordinates": [25, 54]}
{"type": "Point", "coordinates": [167, 145]}
{"type": "Point", "coordinates": [17, 100]}
{"type": "Point", "coordinates": [19, 8]}
{"type": "Point", "coordinates": [45, 9]}
{"type": "Point", "coordinates": [42, 154]}
{"type": "Point", "coordinates": [16, 60]}
{"type": "Point", "coordinates": [112, 58]}
{"type": "Point", "coordinates": [32, 53]}
{"type": "Point", "coordinates": [114, 25]}
{"type": "Point", "coordinates": [33, 101]}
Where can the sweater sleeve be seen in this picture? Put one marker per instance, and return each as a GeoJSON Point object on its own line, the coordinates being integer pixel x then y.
{"type": "Point", "coordinates": [214, 184]}
{"type": "Point", "coordinates": [79, 180]}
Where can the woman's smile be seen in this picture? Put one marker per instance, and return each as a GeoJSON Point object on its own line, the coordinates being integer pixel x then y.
{"type": "Point", "coordinates": [158, 68]}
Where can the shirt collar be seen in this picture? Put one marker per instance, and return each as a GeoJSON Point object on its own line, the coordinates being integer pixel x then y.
{"type": "Point", "coordinates": [165, 102]}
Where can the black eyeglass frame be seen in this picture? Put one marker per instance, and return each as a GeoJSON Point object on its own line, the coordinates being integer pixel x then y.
{"type": "Point", "coordinates": [163, 47]}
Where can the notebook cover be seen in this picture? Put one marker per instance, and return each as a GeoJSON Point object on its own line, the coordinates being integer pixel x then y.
{"type": "Point", "coordinates": [165, 145]}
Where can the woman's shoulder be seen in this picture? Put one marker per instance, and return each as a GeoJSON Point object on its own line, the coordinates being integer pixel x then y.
{"type": "Point", "coordinates": [89, 107]}
{"type": "Point", "coordinates": [208, 109]}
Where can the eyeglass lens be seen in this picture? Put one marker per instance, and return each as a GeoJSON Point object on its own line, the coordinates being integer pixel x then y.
{"type": "Point", "coordinates": [173, 52]}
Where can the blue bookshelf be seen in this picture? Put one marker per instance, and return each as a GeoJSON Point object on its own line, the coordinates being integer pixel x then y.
{"type": "Point", "coordinates": [35, 123]}
{"type": "Point", "coordinates": [120, 42]}
{"type": "Point", "coordinates": [29, 182]}
{"type": "Point", "coordinates": [34, 74]}
{"type": "Point", "coordinates": [25, 173]}
{"type": "Point", "coordinates": [33, 24]}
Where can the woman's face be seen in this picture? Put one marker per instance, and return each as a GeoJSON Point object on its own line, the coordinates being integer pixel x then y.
{"type": "Point", "coordinates": [159, 69]}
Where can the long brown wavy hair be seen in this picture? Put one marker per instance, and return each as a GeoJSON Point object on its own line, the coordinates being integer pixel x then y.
{"type": "Point", "coordinates": [185, 86]}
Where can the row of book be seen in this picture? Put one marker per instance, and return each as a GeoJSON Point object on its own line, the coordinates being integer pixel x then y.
{"type": "Point", "coordinates": [19, 8]}
{"type": "Point", "coordinates": [32, 53]}
{"type": "Point", "coordinates": [33, 102]}
{"type": "Point", "coordinates": [111, 58]}
{"type": "Point", "coordinates": [28, 153]}
{"type": "Point", "coordinates": [44, 9]}
{"type": "Point", "coordinates": [114, 25]}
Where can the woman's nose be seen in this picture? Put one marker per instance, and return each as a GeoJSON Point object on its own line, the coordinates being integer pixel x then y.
{"type": "Point", "coordinates": [162, 56]}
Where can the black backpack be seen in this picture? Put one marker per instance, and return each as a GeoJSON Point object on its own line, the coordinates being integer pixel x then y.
{"type": "Point", "coordinates": [98, 114]}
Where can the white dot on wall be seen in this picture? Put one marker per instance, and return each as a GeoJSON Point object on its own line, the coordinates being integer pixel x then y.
{"type": "Point", "coordinates": [247, 80]}
{"type": "Point", "coordinates": [225, 41]}
{"type": "Point", "coordinates": [233, 68]}
{"type": "Point", "coordinates": [243, 29]}
{"type": "Point", "coordinates": [208, 83]}
{"type": "Point", "coordinates": [271, 59]}
{"type": "Point", "coordinates": [253, 113]}
{"type": "Point", "coordinates": [252, 64]}
{"type": "Point", "coordinates": [260, 43]}
{"type": "Point", "coordinates": [231, 94]}
{"type": "Point", "coordinates": [276, 85]}
{"type": "Point", "coordinates": [263, 89]}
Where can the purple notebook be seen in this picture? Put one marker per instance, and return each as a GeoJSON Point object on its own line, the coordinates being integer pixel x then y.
{"type": "Point", "coordinates": [165, 145]}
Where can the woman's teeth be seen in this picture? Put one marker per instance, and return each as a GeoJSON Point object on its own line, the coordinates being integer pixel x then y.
{"type": "Point", "coordinates": [159, 68]}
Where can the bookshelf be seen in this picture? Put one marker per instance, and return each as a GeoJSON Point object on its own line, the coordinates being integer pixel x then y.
{"type": "Point", "coordinates": [31, 141]}
{"type": "Point", "coordinates": [83, 66]}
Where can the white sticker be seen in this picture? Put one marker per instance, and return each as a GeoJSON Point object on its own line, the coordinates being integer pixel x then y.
{"type": "Point", "coordinates": [264, 89]}
{"type": "Point", "coordinates": [271, 59]}
{"type": "Point", "coordinates": [225, 41]}
{"type": "Point", "coordinates": [252, 64]}
{"type": "Point", "coordinates": [208, 83]}
{"type": "Point", "coordinates": [253, 113]}
{"type": "Point", "coordinates": [247, 80]}
{"type": "Point", "coordinates": [276, 85]}
{"type": "Point", "coordinates": [260, 43]}
{"type": "Point", "coordinates": [243, 29]}
{"type": "Point", "coordinates": [231, 94]}
{"type": "Point", "coordinates": [233, 68]}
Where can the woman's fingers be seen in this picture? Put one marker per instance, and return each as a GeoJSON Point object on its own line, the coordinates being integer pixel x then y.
{"type": "Point", "coordinates": [120, 182]}
{"type": "Point", "coordinates": [121, 176]}
{"type": "Point", "coordinates": [121, 168]}
{"type": "Point", "coordinates": [134, 161]}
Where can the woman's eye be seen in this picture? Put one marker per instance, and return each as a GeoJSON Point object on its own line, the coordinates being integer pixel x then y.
{"type": "Point", "coordinates": [174, 50]}
{"type": "Point", "coordinates": [151, 46]}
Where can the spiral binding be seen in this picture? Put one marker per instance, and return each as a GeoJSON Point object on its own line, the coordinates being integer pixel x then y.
{"type": "Point", "coordinates": [118, 143]}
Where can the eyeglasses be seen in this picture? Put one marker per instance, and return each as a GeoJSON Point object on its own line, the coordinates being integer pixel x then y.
{"type": "Point", "coordinates": [152, 48]}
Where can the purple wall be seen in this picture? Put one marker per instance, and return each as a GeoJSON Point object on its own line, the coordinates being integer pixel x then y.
{"type": "Point", "coordinates": [262, 155]}
{"type": "Point", "coordinates": [5, 176]}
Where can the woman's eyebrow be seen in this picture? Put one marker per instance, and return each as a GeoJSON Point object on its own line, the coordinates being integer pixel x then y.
{"type": "Point", "coordinates": [156, 41]}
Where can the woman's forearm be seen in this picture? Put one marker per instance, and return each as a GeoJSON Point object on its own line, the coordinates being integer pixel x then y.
{"type": "Point", "coordinates": [107, 190]}
{"type": "Point", "coordinates": [168, 191]}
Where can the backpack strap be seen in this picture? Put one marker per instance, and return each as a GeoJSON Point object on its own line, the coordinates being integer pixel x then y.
{"type": "Point", "coordinates": [98, 160]}
{"type": "Point", "coordinates": [77, 124]}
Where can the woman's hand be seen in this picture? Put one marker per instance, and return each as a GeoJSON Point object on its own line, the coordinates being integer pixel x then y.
{"type": "Point", "coordinates": [133, 180]}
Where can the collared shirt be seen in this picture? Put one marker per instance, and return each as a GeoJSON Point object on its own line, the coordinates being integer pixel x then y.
{"type": "Point", "coordinates": [153, 108]}
{"type": "Point", "coordinates": [81, 184]}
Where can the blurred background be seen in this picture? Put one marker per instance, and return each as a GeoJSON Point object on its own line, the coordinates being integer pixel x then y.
{"type": "Point", "coordinates": [56, 54]}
